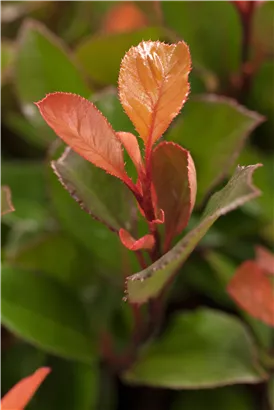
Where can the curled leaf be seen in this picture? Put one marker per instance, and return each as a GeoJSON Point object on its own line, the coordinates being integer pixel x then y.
{"type": "Point", "coordinates": [80, 125]}
{"type": "Point", "coordinates": [153, 86]}
{"type": "Point", "coordinates": [252, 290]}
{"type": "Point", "coordinates": [130, 143]}
{"type": "Point", "coordinates": [146, 242]}
{"type": "Point", "coordinates": [19, 396]}
{"type": "Point", "coordinates": [6, 202]}
{"type": "Point", "coordinates": [174, 179]}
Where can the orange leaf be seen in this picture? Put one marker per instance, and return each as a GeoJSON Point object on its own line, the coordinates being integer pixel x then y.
{"type": "Point", "coordinates": [124, 17]}
{"type": "Point", "coordinates": [19, 396]}
{"type": "Point", "coordinates": [146, 242]}
{"type": "Point", "coordinates": [174, 179]}
{"type": "Point", "coordinates": [252, 290]}
{"type": "Point", "coordinates": [130, 143]}
{"type": "Point", "coordinates": [78, 122]}
{"type": "Point", "coordinates": [265, 259]}
{"type": "Point", "coordinates": [153, 86]}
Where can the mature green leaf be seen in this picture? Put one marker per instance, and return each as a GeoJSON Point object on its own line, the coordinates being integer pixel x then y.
{"type": "Point", "coordinates": [211, 19]}
{"type": "Point", "coordinates": [222, 398]}
{"type": "Point", "coordinates": [263, 28]}
{"type": "Point", "coordinates": [101, 55]}
{"type": "Point", "coordinates": [71, 386]}
{"type": "Point", "coordinates": [91, 234]}
{"type": "Point", "coordinates": [44, 313]}
{"type": "Point", "coordinates": [149, 282]}
{"type": "Point", "coordinates": [43, 65]}
{"type": "Point", "coordinates": [54, 254]}
{"type": "Point", "coordinates": [205, 348]}
{"type": "Point", "coordinates": [94, 190]}
{"type": "Point", "coordinates": [223, 126]}
{"type": "Point", "coordinates": [7, 58]}
{"type": "Point", "coordinates": [26, 181]}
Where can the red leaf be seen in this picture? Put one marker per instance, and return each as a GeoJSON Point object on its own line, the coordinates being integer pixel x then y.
{"type": "Point", "coordinates": [174, 179]}
{"type": "Point", "coordinates": [265, 259]}
{"type": "Point", "coordinates": [78, 122]}
{"type": "Point", "coordinates": [153, 86]}
{"type": "Point", "coordinates": [252, 290]}
{"type": "Point", "coordinates": [146, 242]}
{"type": "Point", "coordinates": [19, 396]}
{"type": "Point", "coordinates": [130, 143]}
{"type": "Point", "coordinates": [124, 17]}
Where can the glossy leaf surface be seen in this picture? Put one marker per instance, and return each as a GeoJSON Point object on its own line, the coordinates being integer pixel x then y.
{"type": "Point", "coordinates": [95, 190]}
{"type": "Point", "coordinates": [80, 125]}
{"type": "Point", "coordinates": [195, 352]}
{"type": "Point", "coordinates": [174, 179]}
{"type": "Point", "coordinates": [44, 313]}
{"type": "Point", "coordinates": [153, 86]}
{"type": "Point", "coordinates": [149, 282]}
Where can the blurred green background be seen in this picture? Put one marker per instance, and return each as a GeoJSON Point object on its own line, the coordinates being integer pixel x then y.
{"type": "Point", "coordinates": [63, 271]}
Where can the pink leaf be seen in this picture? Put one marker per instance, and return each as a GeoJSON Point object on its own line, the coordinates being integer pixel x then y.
{"type": "Point", "coordinates": [20, 395]}
{"type": "Point", "coordinates": [252, 290]}
{"type": "Point", "coordinates": [153, 86]}
{"type": "Point", "coordinates": [174, 179]}
{"type": "Point", "coordinates": [146, 242]}
{"type": "Point", "coordinates": [130, 143]}
{"type": "Point", "coordinates": [78, 122]}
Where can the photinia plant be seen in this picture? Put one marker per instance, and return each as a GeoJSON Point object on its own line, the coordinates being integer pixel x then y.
{"type": "Point", "coordinates": [153, 87]}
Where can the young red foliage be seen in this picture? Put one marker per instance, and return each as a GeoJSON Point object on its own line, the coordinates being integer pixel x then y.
{"type": "Point", "coordinates": [20, 395]}
{"type": "Point", "coordinates": [146, 242]}
{"type": "Point", "coordinates": [153, 86]}
{"type": "Point", "coordinates": [124, 17]}
{"type": "Point", "coordinates": [78, 122]}
{"type": "Point", "coordinates": [130, 143]}
{"type": "Point", "coordinates": [252, 290]}
{"type": "Point", "coordinates": [174, 179]}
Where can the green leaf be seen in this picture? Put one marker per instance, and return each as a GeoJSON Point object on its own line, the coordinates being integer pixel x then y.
{"type": "Point", "coordinates": [44, 313]}
{"type": "Point", "coordinates": [7, 58]}
{"type": "Point", "coordinates": [27, 183]}
{"type": "Point", "coordinates": [101, 55]}
{"type": "Point", "coordinates": [149, 282]}
{"type": "Point", "coordinates": [211, 19]}
{"type": "Point", "coordinates": [42, 66]}
{"type": "Point", "coordinates": [70, 386]}
{"type": "Point", "coordinates": [223, 398]}
{"type": "Point", "coordinates": [94, 190]}
{"type": "Point", "coordinates": [91, 234]}
{"type": "Point", "coordinates": [271, 392]}
{"type": "Point", "coordinates": [40, 254]}
{"type": "Point", "coordinates": [263, 28]}
{"type": "Point", "coordinates": [201, 349]}
{"type": "Point", "coordinates": [223, 126]}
